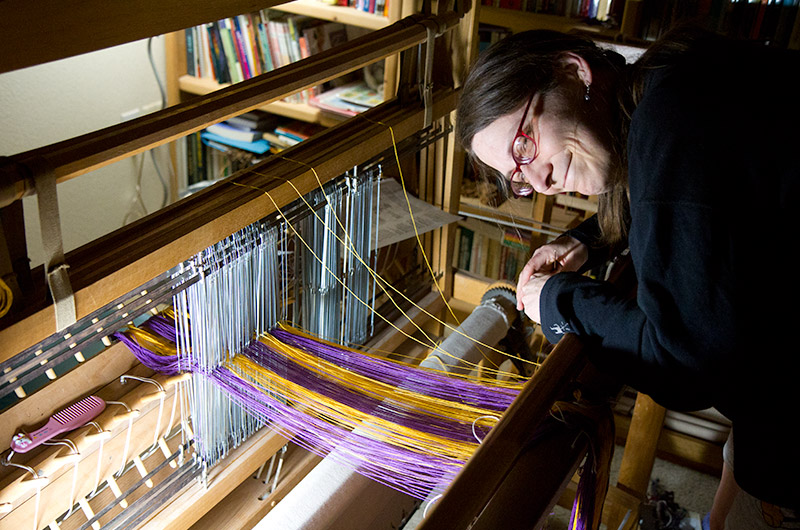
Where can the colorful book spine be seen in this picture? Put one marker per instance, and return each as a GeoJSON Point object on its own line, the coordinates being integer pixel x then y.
{"type": "Point", "coordinates": [263, 42]}
{"type": "Point", "coordinates": [241, 51]}
{"type": "Point", "coordinates": [230, 52]}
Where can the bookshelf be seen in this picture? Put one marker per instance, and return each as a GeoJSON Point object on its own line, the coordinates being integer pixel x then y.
{"type": "Point", "coordinates": [269, 38]}
{"type": "Point", "coordinates": [180, 84]}
{"type": "Point", "coordinates": [337, 13]}
{"type": "Point", "coordinates": [640, 22]}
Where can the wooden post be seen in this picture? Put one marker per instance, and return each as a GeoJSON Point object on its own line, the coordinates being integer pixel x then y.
{"type": "Point", "coordinates": [639, 454]}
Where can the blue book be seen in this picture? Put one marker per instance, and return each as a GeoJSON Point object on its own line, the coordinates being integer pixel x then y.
{"type": "Point", "coordinates": [258, 146]}
{"type": "Point", "coordinates": [234, 133]}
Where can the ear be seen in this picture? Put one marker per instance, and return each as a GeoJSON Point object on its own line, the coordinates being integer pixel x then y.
{"type": "Point", "coordinates": [573, 62]}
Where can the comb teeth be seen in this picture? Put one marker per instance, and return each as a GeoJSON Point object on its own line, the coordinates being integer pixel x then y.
{"type": "Point", "coordinates": [75, 412]}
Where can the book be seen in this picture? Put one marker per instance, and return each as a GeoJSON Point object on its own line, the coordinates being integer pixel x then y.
{"type": "Point", "coordinates": [206, 63]}
{"type": "Point", "coordinates": [456, 246]}
{"type": "Point", "coordinates": [256, 120]}
{"type": "Point", "coordinates": [297, 130]}
{"type": "Point", "coordinates": [263, 41]}
{"type": "Point", "coordinates": [258, 146]}
{"type": "Point", "coordinates": [493, 259]}
{"type": "Point", "coordinates": [235, 133]}
{"type": "Point", "coordinates": [465, 251]}
{"type": "Point", "coordinates": [218, 53]}
{"type": "Point", "coordinates": [241, 50]}
{"type": "Point", "coordinates": [252, 42]}
{"type": "Point", "coordinates": [278, 142]}
{"type": "Point", "coordinates": [347, 100]}
{"type": "Point", "coordinates": [191, 67]}
{"type": "Point", "coordinates": [272, 36]}
{"type": "Point", "coordinates": [229, 50]}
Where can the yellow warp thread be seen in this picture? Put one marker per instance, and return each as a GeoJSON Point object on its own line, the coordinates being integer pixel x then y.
{"type": "Point", "coordinates": [379, 429]}
{"type": "Point", "coordinates": [6, 298]}
{"type": "Point", "coordinates": [151, 341]}
{"type": "Point", "coordinates": [431, 342]}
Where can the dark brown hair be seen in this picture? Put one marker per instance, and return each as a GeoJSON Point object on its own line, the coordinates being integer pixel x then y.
{"type": "Point", "coordinates": [507, 73]}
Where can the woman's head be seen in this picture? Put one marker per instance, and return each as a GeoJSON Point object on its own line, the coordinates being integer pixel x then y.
{"type": "Point", "coordinates": [552, 94]}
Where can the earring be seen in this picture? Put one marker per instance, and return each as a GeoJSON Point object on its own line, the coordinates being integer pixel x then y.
{"type": "Point", "coordinates": [586, 95]}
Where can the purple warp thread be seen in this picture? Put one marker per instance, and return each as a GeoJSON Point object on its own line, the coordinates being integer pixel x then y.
{"type": "Point", "coordinates": [403, 468]}
{"type": "Point", "coordinates": [425, 382]}
{"type": "Point", "coordinates": [165, 364]}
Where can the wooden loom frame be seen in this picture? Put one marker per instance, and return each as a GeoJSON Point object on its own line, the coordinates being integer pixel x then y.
{"type": "Point", "coordinates": [99, 276]}
{"type": "Point", "coordinates": [181, 230]}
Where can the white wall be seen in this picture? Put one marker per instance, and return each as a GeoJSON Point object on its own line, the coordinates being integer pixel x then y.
{"type": "Point", "coordinates": [56, 101]}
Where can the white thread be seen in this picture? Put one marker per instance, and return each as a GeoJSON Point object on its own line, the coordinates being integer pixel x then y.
{"type": "Point", "coordinates": [475, 434]}
{"type": "Point", "coordinates": [434, 499]}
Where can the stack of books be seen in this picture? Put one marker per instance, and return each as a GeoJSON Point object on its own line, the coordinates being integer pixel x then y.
{"type": "Point", "coordinates": [291, 132]}
{"type": "Point", "coordinates": [226, 147]}
{"type": "Point", "coordinates": [245, 132]}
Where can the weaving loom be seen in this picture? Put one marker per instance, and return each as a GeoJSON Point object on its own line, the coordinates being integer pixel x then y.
{"type": "Point", "coordinates": [170, 443]}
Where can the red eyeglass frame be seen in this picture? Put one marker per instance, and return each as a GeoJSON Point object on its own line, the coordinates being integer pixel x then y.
{"type": "Point", "coordinates": [520, 188]}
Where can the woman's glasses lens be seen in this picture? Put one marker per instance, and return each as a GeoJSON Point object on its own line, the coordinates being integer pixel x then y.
{"type": "Point", "coordinates": [519, 187]}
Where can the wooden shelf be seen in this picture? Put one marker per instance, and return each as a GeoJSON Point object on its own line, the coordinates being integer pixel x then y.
{"type": "Point", "coordinates": [298, 111]}
{"type": "Point", "coordinates": [334, 13]}
{"type": "Point", "coordinates": [517, 213]}
{"type": "Point", "coordinates": [517, 20]}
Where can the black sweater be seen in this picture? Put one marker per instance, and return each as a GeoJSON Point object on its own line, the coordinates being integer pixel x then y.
{"type": "Point", "coordinates": [714, 170]}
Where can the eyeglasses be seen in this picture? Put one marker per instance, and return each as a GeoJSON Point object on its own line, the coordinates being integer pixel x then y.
{"type": "Point", "coordinates": [523, 151]}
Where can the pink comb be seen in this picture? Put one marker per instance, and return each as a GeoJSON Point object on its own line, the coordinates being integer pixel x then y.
{"type": "Point", "coordinates": [72, 417]}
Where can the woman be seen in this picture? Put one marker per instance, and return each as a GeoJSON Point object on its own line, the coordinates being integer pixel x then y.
{"type": "Point", "coordinates": [692, 151]}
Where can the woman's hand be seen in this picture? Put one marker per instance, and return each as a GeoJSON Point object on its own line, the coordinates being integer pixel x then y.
{"type": "Point", "coordinates": [528, 294]}
{"type": "Point", "coordinates": [564, 254]}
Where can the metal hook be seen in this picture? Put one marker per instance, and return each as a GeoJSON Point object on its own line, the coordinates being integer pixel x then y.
{"type": "Point", "coordinates": [162, 396]}
{"type": "Point", "coordinates": [75, 454]}
{"type": "Point", "coordinates": [124, 379]}
{"type": "Point", "coordinates": [104, 434]}
{"type": "Point", "coordinates": [36, 479]}
{"type": "Point", "coordinates": [127, 437]}
{"type": "Point", "coordinates": [7, 462]}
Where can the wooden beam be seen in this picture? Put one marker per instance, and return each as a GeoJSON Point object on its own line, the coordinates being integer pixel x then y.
{"type": "Point", "coordinates": [246, 505]}
{"type": "Point", "coordinates": [640, 451]}
{"type": "Point", "coordinates": [35, 34]}
{"type": "Point", "coordinates": [679, 448]}
{"type": "Point", "coordinates": [476, 484]}
{"type": "Point", "coordinates": [195, 501]}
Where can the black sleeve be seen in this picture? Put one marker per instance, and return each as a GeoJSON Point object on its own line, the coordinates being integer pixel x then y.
{"type": "Point", "coordinates": [588, 233]}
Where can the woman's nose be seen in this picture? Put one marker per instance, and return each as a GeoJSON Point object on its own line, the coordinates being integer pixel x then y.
{"type": "Point", "coordinates": [537, 175]}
